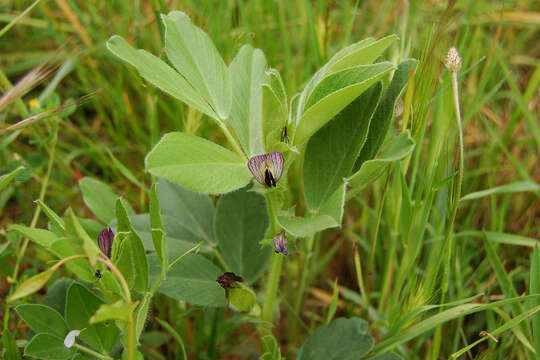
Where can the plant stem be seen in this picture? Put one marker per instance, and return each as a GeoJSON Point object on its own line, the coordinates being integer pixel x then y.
{"type": "Point", "coordinates": [91, 352]}
{"type": "Point", "coordinates": [276, 262]}
{"type": "Point", "coordinates": [231, 139]}
{"type": "Point", "coordinates": [305, 272]}
{"type": "Point", "coordinates": [457, 190]}
{"type": "Point", "coordinates": [127, 294]}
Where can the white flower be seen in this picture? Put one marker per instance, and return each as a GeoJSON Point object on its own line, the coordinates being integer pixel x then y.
{"type": "Point", "coordinates": [70, 338]}
{"type": "Point", "coordinates": [452, 61]}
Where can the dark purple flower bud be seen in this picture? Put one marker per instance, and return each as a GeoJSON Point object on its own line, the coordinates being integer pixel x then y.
{"type": "Point", "coordinates": [267, 168]}
{"type": "Point", "coordinates": [227, 279]}
{"type": "Point", "coordinates": [280, 243]}
{"type": "Point", "coordinates": [105, 241]}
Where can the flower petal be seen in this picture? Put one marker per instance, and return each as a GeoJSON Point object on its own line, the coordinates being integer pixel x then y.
{"type": "Point", "coordinates": [280, 243]}
{"type": "Point", "coordinates": [69, 340]}
{"type": "Point", "coordinates": [275, 162]}
{"type": "Point", "coordinates": [259, 164]}
{"type": "Point", "coordinates": [105, 241]}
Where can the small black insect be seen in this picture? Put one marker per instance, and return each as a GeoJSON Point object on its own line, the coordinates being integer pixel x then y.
{"type": "Point", "coordinates": [284, 136]}
{"type": "Point", "coordinates": [97, 274]}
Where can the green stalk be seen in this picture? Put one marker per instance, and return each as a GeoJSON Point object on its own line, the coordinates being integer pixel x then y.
{"type": "Point", "coordinates": [231, 139]}
{"type": "Point", "coordinates": [276, 262]}
{"type": "Point", "coordinates": [457, 191]}
{"type": "Point", "coordinates": [91, 352]}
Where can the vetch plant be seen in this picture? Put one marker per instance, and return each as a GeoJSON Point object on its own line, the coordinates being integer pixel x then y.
{"type": "Point", "coordinates": [336, 133]}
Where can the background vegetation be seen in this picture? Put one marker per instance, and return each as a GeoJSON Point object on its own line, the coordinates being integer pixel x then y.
{"type": "Point", "coordinates": [395, 227]}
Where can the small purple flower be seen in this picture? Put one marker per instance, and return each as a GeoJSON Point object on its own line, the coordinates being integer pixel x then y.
{"type": "Point", "coordinates": [105, 241]}
{"type": "Point", "coordinates": [267, 168]}
{"type": "Point", "coordinates": [280, 243]}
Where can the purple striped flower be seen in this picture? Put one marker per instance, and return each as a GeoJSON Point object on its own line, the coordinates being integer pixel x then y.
{"type": "Point", "coordinates": [105, 241]}
{"type": "Point", "coordinates": [267, 168]}
{"type": "Point", "coordinates": [280, 243]}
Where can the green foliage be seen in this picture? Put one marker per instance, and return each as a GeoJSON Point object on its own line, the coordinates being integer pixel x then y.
{"type": "Point", "coordinates": [131, 259]}
{"type": "Point", "coordinates": [48, 347]}
{"type": "Point", "coordinates": [370, 170]}
{"type": "Point", "coordinates": [195, 56]}
{"type": "Point", "coordinates": [197, 164]}
{"type": "Point", "coordinates": [240, 224]}
{"type": "Point", "coordinates": [193, 280]}
{"type": "Point", "coordinates": [247, 71]}
{"type": "Point", "coordinates": [341, 339]}
{"type": "Point", "coordinates": [333, 150]}
{"type": "Point", "coordinates": [333, 94]}
{"type": "Point", "coordinates": [43, 319]}
{"type": "Point", "coordinates": [81, 305]}
{"type": "Point", "coordinates": [382, 118]}
{"type": "Point", "coordinates": [99, 198]}
{"type": "Point", "coordinates": [159, 74]}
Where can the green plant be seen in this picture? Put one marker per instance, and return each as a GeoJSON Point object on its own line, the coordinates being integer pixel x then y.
{"type": "Point", "coordinates": [336, 125]}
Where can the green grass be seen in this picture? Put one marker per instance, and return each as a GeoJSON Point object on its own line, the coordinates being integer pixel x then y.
{"type": "Point", "coordinates": [405, 213]}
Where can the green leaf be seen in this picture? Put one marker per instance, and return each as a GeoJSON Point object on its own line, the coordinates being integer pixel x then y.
{"type": "Point", "coordinates": [132, 262]}
{"type": "Point", "coordinates": [520, 186]}
{"type": "Point", "coordinates": [59, 246]}
{"type": "Point", "coordinates": [274, 117]}
{"type": "Point", "coordinates": [33, 284]}
{"type": "Point", "coordinates": [117, 311]}
{"type": "Point", "coordinates": [192, 211]}
{"type": "Point", "coordinates": [161, 75]}
{"type": "Point", "coordinates": [43, 319]}
{"type": "Point", "coordinates": [90, 246]}
{"type": "Point", "coordinates": [158, 233]}
{"type": "Point", "coordinates": [240, 224]}
{"type": "Point", "coordinates": [56, 220]}
{"type": "Point", "coordinates": [335, 204]}
{"type": "Point", "coordinates": [193, 54]}
{"type": "Point", "coordinates": [56, 295]}
{"type": "Point", "coordinates": [343, 339]}
{"type": "Point", "coordinates": [81, 305]}
{"type": "Point", "coordinates": [6, 178]}
{"type": "Point", "coordinates": [48, 347]}
{"type": "Point", "coordinates": [248, 74]}
{"type": "Point", "coordinates": [304, 227]}
{"type": "Point", "coordinates": [99, 198]}
{"type": "Point", "coordinates": [192, 280]}
{"type": "Point", "coordinates": [380, 123]}
{"type": "Point", "coordinates": [333, 94]}
{"type": "Point", "coordinates": [131, 259]}
{"type": "Point", "coordinates": [198, 164]}
{"type": "Point", "coordinates": [330, 216]}
{"type": "Point", "coordinates": [396, 149]}
{"type": "Point", "coordinates": [332, 151]}
{"type": "Point", "coordinates": [44, 238]}
{"type": "Point", "coordinates": [80, 267]}
{"type": "Point", "coordinates": [141, 314]}
{"type": "Point", "coordinates": [363, 52]}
